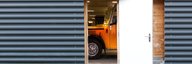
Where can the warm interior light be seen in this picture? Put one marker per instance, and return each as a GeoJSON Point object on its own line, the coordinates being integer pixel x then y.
{"type": "Point", "coordinates": [88, 1]}
{"type": "Point", "coordinates": [90, 21]}
{"type": "Point", "coordinates": [92, 18]}
{"type": "Point", "coordinates": [90, 10]}
{"type": "Point", "coordinates": [114, 2]}
{"type": "Point", "coordinates": [92, 15]}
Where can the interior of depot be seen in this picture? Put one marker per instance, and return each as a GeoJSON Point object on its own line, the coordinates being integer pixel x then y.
{"type": "Point", "coordinates": [102, 31]}
{"type": "Point", "coordinates": [98, 9]}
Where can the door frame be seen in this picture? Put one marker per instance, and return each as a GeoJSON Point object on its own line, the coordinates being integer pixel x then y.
{"type": "Point", "coordinates": [86, 32]}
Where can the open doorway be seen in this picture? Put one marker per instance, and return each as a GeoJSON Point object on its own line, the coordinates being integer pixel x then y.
{"type": "Point", "coordinates": [102, 31]}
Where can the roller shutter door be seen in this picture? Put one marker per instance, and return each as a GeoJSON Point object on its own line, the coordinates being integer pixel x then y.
{"type": "Point", "coordinates": [41, 32]}
{"type": "Point", "coordinates": [178, 32]}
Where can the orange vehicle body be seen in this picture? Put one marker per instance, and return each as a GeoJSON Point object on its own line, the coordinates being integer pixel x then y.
{"type": "Point", "coordinates": [106, 32]}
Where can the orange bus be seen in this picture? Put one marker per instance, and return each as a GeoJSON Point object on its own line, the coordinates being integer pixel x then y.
{"type": "Point", "coordinates": [103, 36]}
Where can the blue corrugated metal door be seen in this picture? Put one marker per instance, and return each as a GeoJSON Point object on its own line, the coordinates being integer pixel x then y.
{"type": "Point", "coordinates": [178, 31]}
{"type": "Point", "coordinates": [41, 32]}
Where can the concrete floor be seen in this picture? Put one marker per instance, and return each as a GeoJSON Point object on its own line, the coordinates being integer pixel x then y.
{"type": "Point", "coordinates": [112, 59]}
{"type": "Point", "coordinates": [157, 60]}
{"type": "Point", "coordinates": [109, 58]}
{"type": "Point", "coordinates": [106, 59]}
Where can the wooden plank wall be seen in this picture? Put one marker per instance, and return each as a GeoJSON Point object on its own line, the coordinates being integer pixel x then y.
{"type": "Point", "coordinates": [158, 28]}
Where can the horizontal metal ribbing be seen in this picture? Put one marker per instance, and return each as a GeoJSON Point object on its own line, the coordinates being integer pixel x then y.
{"type": "Point", "coordinates": [178, 25]}
{"type": "Point", "coordinates": [68, 15]}
{"type": "Point", "coordinates": [178, 42]}
{"type": "Point", "coordinates": [178, 4]}
{"type": "Point", "coordinates": [52, 54]}
{"type": "Point", "coordinates": [12, 21]}
{"type": "Point", "coordinates": [40, 26]}
{"type": "Point", "coordinates": [178, 37]}
{"type": "Point", "coordinates": [41, 59]}
{"type": "Point", "coordinates": [42, 32]}
{"type": "Point", "coordinates": [177, 0]}
{"type": "Point", "coordinates": [178, 33]}
{"type": "Point", "coordinates": [40, 37]}
{"type": "Point", "coordinates": [178, 53]}
{"type": "Point", "coordinates": [70, 43]}
{"type": "Point", "coordinates": [41, 48]}
{"type": "Point", "coordinates": [41, 10]}
{"type": "Point", "coordinates": [178, 9]}
{"type": "Point", "coordinates": [178, 15]}
{"type": "Point", "coordinates": [178, 59]}
{"type": "Point", "coordinates": [177, 63]}
{"type": "Point", "coordinates": [43, 0]}
{"type": "Point", "coordinates": [178, 20]}
{"type": "Point", "coordinates": [4, 4]}
{"type": "Point", "coordinates": [44, 63]}
{"type": "Point", "coordinates": [178, 48]}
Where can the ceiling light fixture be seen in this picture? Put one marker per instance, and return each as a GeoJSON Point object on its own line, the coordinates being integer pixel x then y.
{"type": "Point", "coordinates": [92, 15]}
{"type": "Point", "coordinates": [90, 10]}
{"type": "Point", "coordinates": [92, 18]}
{"type": "Point", "coordinates": [90, 21]}
{"type": "Point", "coordinates": [114, 2]}
{"type": "Point", "coordinates": [88, 1]}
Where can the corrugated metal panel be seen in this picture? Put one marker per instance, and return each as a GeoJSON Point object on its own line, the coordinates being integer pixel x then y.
{"type": "Point", "coordinates": [41, 31]}
{"type": "Point", "coordinates": [178, 32]}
